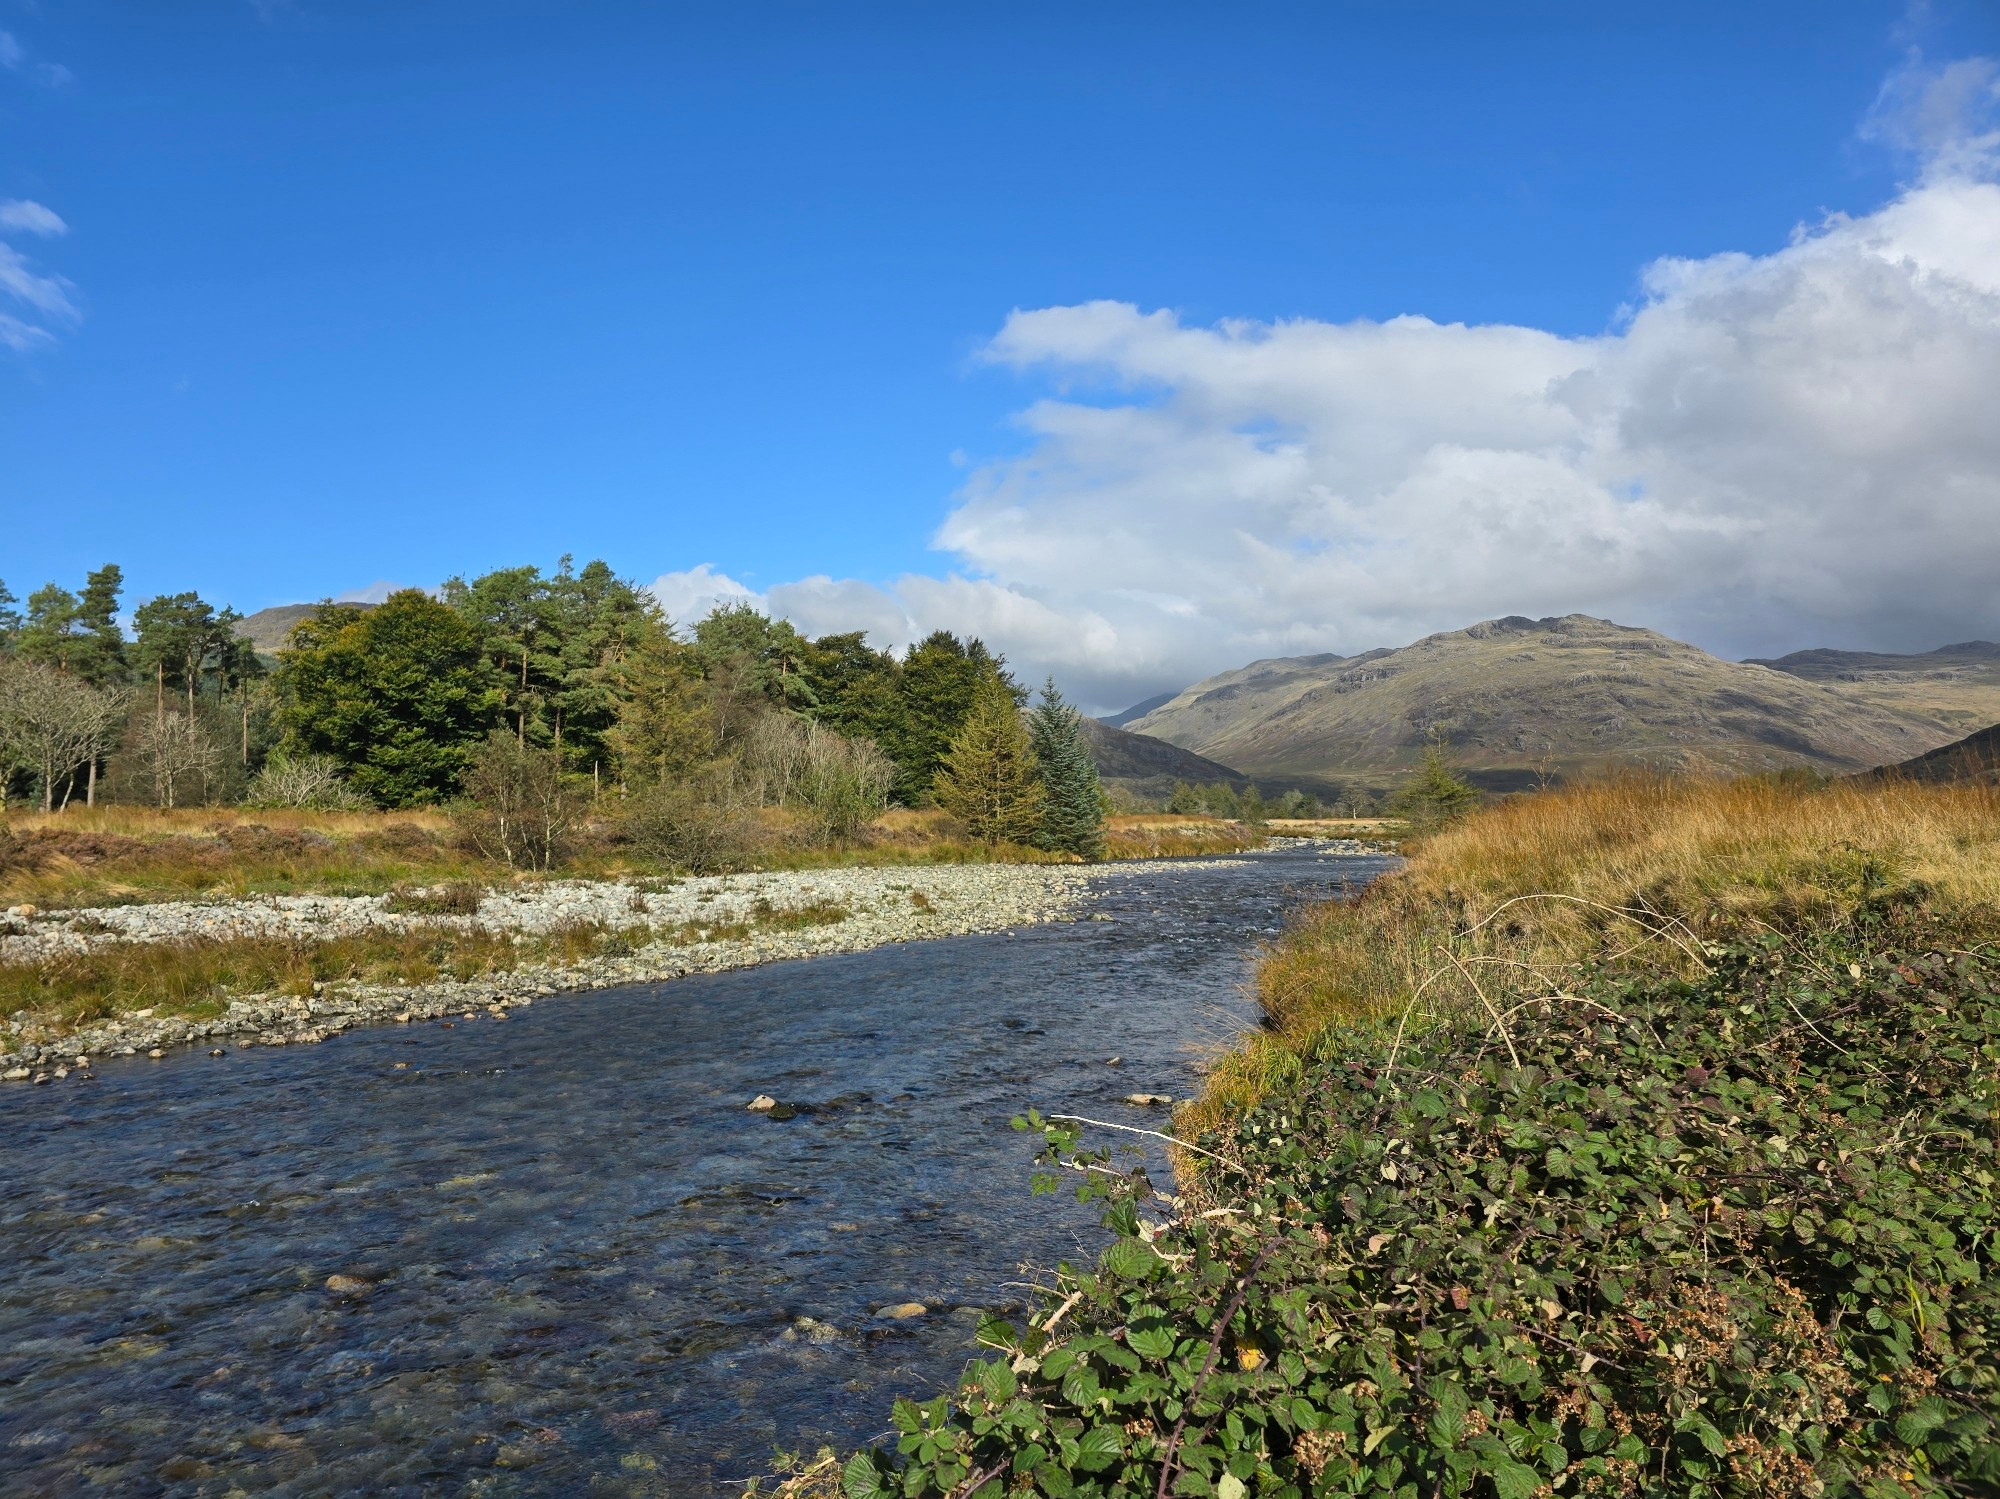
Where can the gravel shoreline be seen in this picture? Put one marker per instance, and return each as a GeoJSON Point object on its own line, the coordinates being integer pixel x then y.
{"type": "Point", "coordinates": [884, 906]}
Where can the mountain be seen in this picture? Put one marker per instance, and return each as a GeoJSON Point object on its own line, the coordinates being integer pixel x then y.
{"type": "Point", "coordinates": [268, 629]}
{"type": "Point", "coordinates": [1958, 685]}
{"type": "Point", "coordinates": [1137, 710]}
{"type": "Point", "coordinates": [1148, 767]}
{"type": "Point", "coordinates": [1519, 699]}
{"type": "Point", "coordinates": [1976, 757]}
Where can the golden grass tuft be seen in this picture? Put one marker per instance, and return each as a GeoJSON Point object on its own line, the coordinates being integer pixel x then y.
{"type": "Point", "coordinates": [1635, 870]}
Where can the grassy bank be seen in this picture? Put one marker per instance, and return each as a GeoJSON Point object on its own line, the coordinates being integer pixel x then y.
{"type": "Point", "coordinates": [1641, 1139]}
{"type": "Point", "coordinates": [1636, 874]}
{"type": "Point", "coordinates": [116, 855]}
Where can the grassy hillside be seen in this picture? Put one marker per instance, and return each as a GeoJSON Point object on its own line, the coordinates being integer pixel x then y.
{"type": "Point", "coordinates": [1958, 685]}
{"type": "Point", "coordinates": [1522, 700]}
{"type": "Point", "coordinates": [1146, 767]}
{"type": "Point", "coordinates": [268, 629]}
{"type": "Point", "coordinates": [1974, 758]}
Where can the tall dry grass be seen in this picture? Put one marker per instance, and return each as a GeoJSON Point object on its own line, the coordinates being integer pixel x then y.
{"type": "Point", "coordinates": [1638, 870]}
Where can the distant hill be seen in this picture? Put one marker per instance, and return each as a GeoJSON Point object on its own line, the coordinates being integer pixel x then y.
{"type": "Point", "coordinates": [1148, 767]}
{"type": "Point", "coordinates": [1958, 685]}
{"type": "Point", "coordinates": [268, 629]}
{"type": "Point", "coordinates": [1520, 699]}
{"type": "Point", "coordinates": [1976, 757]}
{"type": "Point", "coordinates": [1137, 710]}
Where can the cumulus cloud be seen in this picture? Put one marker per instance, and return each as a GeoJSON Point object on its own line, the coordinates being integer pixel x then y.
{"type": "Point", "coordinates": [689, 594]}
{"type": "Point", "coordinates": [1766, 452]}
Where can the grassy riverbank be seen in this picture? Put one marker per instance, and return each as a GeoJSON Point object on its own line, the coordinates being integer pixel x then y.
{"type": "Point", "coordinates": [1638, 1139]}
{"type": "Point", "coordinates": [101, 856]}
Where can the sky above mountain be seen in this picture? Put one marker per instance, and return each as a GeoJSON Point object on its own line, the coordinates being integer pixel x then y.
{"type": "Point", "coordinates": [1142, 340]}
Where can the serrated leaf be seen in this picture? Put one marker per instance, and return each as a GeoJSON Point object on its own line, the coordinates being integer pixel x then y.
{"type": "Point", "coordinates": [859, 1480]}
{"type": "Point", "coordinates": [1128, 1259]}
{"type": "Point", "coordinates": [1098, 1448]}
{"type": "Point", "coordinates": [1153, 1338]}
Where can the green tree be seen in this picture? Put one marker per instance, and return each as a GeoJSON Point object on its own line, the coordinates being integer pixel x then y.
{"type": "Point", "coordinates": [10, 618]}
{"type": "Point", "coordinates": [399, 695]}
{"type": "Point", "coordinates": [509, 611]}
{"type": "Point", "coordinates": [598, 620]}
{"type": "Point", "coordinates": [101, 644]}
{"type": "Point", "coordinates": [1072, 796]}
{"type": "Point", "coordinates": [665, 726]}
{"type": "Point", "coordinates": [48, 630]}
{"type": "Point", "coordinates": [752, 662]}
{"type": "Point", "coordinates": [1436, 796]}
{"type": "Point", "coordinates": [988, 779]}
{"type": "Point", "coordinates": [941, 679]}
{"type": "Point", "coordinates": [853, 686]}
{"type": "Point", "coordinates": [181, 638]}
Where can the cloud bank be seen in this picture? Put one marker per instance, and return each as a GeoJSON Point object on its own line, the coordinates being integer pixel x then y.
{"type": "Point", "coordinates": [1766, 452]}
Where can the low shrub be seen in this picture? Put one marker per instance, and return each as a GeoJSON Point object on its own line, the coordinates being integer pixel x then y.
{"type": "Point", "coordinates": [1733, 1234]}
{"type": "Point", "coordinates": [307, 782]}
{"type": "Point", "coordinates": [452, 898]}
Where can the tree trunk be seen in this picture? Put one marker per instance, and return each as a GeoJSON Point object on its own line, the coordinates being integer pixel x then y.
{"type": "Point", "coordinates": [159, 692]}
{"type": "Point", "coordinates": [90, 789]}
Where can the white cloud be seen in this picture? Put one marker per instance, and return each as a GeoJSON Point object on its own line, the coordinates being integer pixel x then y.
{"type": "Point", "coordinates": [688, 595]}
{"type": "Point", "coordinates": [1770, 451]}
{"type": "Point", "coordinates": [30, 217]}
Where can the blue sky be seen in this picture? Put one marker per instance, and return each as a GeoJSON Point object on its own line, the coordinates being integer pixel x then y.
{"type": "Point", "coordinates": [364, 291]}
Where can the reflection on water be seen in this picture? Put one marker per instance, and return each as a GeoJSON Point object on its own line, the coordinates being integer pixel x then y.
{"type": "Point", "coordinates": [556, 1255]}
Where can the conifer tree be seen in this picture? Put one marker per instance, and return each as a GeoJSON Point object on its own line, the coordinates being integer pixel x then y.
{"type": "Point", "coordinates": [1072, 799]}
{"type": "Point", "coordinates": [988, 779]}
{"type": "Point", "coordinates": [1436, 795]}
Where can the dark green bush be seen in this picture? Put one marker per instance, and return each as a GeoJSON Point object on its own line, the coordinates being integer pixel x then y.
{"type": "Point", "coordinates": [1735, 1236]}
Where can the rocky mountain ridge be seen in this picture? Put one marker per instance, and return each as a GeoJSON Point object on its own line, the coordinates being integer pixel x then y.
{"type": "Point", "coordinates": [1520, 700]}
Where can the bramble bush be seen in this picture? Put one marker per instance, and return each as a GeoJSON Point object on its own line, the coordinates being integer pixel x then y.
{"type": "Point", "coordinates": [1733, 1235]}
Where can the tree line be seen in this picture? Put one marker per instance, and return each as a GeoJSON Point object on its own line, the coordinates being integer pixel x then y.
{"type": "Point", "coordinates": [518, 689]}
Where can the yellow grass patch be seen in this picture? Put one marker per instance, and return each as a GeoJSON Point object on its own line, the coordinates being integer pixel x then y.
{"type": "Point", "coordinates": [1636, 870]}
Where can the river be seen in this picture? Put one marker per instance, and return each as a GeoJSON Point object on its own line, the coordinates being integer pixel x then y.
{"type": "Point", "coordinates": [570, 1260]}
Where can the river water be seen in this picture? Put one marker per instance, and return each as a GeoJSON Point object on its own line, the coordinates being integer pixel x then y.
{"type": "Point", "coordinates": [579, 1265]}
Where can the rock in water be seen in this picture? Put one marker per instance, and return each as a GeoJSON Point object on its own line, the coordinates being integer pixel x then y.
{"type": "Point", "coordinates": [904, 1310]}
{"type": "Point", "coordinates": [1148, 1100]}
{"type": "Point", "coordinates": [347, 1285]}
{"type": "Point", "coordinates": [763, 1103]}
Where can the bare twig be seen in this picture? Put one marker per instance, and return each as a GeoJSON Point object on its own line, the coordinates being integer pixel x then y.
{"type": "Point", "coordinates": [1134, 1130]}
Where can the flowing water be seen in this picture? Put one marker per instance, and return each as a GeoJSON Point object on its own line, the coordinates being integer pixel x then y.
{"type": "Point", "coordinates": [574, 1263]}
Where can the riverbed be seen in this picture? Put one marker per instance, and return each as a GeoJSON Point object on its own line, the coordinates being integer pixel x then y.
{"type": "Point", "coordinates": [559, 1255]}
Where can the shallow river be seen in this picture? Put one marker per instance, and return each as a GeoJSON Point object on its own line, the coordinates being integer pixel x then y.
{"type": "Point", "coordinates": [584, 1267]}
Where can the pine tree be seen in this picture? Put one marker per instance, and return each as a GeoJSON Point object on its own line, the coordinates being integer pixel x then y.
{"type": "Point", "coordinates": [988, 780]}
{"type": "Point", "coordinates": [1072, 799]}
{"type": "Point", "coordinates": [1436, 796]}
